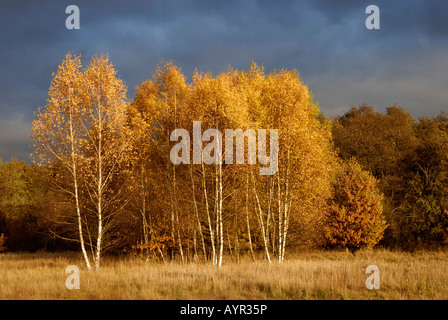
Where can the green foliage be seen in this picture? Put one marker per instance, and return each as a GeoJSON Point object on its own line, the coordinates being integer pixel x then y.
{"type": "Point", "coordinates": [22, 199]}
{"type": "Point", "coordinates": [423, 214]}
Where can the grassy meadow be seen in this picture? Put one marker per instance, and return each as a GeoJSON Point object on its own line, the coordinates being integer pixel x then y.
{"type": "Point", "coordinates": [304, 275]}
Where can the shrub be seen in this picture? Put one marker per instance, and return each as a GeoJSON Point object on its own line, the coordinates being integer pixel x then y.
{"type": "Point", "coordinates": [355, 213]}
{"type": "Point", "coordinates": [3, 239]}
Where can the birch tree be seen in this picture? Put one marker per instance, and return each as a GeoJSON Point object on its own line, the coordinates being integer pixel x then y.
{"type": "Point", "coordinates": [302, 182]}
{"type": "Point", "coordinates": [58, 136]}
{"type": "Point", "coordinates": [158, 107]}
{"type": "Point", "coordinates": [202, 193]}
{"type": "Point", "coordinates": [80, 133]}
{"type": "Point", "coordinates": [104, 98]}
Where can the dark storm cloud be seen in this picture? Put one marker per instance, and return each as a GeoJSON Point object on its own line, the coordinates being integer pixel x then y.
{"type": "Point", "coordinates": [399, 17]}
{"type": "Point", "coordinates": [326, 40]}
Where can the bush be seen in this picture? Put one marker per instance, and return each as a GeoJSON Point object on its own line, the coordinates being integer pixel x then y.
{"type": "Point", "coordinates": [3, 239]}
{"type": "Point", "coordinates": [355, 213]}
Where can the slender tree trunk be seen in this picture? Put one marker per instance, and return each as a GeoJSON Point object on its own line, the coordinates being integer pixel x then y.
{"type": "Point", "coordinates": [187, 254]}
{"type": "Point", "coordinates": [287, 207]}
{"type": "Point", "coordinates": [236, 245]}
{"type": "Point", "coordinates": [158, 247]}
{"type": "Point", "coordinates": [195, 245]}
{"type": "Point", "coordinates": [145, 229]}
{"type": "Point", "coordinates": [100, 196]}
{"type": "Point", "coordinates": [207, 209]}
{"type": "Point", "coordinates": [173, 238]}
{"type": "Point", "coordinates": [179, 239]}
{"type": "Point", "coordinates": [77, 204]}
{"type": "Point", "coordinates": [283, 226]}
{"type": "Point", "coordinates": [176, 212]}
{"type": "Point", "coordinates": [78, 212]}
{"type": "Point", "coordinates": [268, 219]}
{"type": "Point", "coordinates": [199, 225]}
{"type": "Point", "coordinates": [260, 220]}
{"type": "Point", "coordinates": [247, 218]}
{"type": "Point", "coordinates": [216, 211]}
{"type": "Point", "coordinates": [280, 220]}
{"type": "Point", "coordinates": [221, 231]}
{"type": "Point", "coordinates": [145, 235]}
{"type": "Point", "coordinates": [229, 244]}
{"type": "Point", "coordinates": [176, 206]}
{"type": "Point", "coordinates": [285, 229]}
{"type": "Point", "coordinates": [145, 226]}
{"type": "Point", "coordinates": [171, 193]}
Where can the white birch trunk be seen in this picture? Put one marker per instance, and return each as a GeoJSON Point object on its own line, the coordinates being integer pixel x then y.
{"type": "Point", "coordinates": [77, 204]}
{"type": "Point", "coordinates": [247, 218]}
{"type": "Point", "coordinates": [280, 219]}
{"type": "Point", "coordinates": [285, 221]}
{"type": "Point", "coordinates": [221, 246]}
{"type": "Point", "coordinates": [260, 221]}
{"type": "Point", "coordinates": [199, 226]}
{"type": "Point", "coordinates": [100, 196]}
{"type": "Point", "coordinates": [207, 209]}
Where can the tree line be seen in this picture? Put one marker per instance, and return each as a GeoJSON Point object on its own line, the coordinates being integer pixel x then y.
{"type": "Point", "coordinates": [103, 181]}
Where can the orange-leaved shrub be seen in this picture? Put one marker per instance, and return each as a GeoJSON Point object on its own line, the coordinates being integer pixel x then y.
{"type": "Point", "coordinates": [3, 239]}
{"type": "Point", "coordinates": [355, 212]}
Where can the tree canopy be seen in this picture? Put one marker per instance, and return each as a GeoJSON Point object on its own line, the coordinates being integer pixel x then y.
{"type": "Point", "coordinates": [104, 179]}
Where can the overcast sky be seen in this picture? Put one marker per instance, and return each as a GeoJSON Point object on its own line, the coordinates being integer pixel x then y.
{"type": "Point", "coordinates": [343, 62]}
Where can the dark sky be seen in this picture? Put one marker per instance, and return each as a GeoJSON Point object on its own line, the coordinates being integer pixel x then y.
{"type": "Point", "coordinates": [344, 63]}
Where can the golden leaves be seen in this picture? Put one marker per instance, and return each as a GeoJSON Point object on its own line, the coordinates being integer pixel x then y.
{"type": "Point", "coordinates": [355, 212]}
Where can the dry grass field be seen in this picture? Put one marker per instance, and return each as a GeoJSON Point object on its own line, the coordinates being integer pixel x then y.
{"type": "Point", "coordinates": [304, 275]}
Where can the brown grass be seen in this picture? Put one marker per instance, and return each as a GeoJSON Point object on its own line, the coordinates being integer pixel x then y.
{"type": "Point", "coordinates": [304, 275]}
